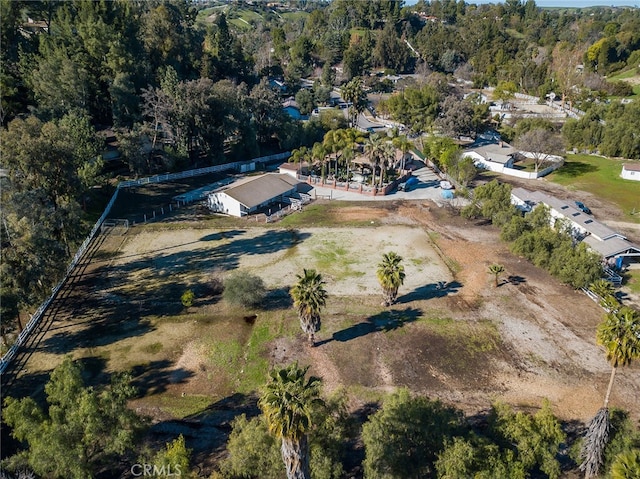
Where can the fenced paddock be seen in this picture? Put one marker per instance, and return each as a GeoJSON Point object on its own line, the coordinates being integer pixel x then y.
{"type": "Point", "coordinates": [116, 226]}
{"type": "Point", "coordinates": [34, 321]}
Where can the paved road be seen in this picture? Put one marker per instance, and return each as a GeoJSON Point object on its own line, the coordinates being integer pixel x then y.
{"type": "Point", "coordinates": [427, 189]}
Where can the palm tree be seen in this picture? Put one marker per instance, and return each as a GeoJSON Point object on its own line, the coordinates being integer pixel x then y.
{"type": "Point", "coordinates": [404, 145]}
{"type": "Point", "coordinates": [496, 270]}
{"type": "Point", "coordinates": [333, 142]}
{"type": "Point", "coordinates": [318, 154]}
{"type": "Point", "coordinates": [309, 297]}
{"type": "Point", "coordinates": [604, 289]}
{"type": "Point", "coordinates": [373, 149]}
{"type": "Point", "coordinates": [287, 403]}
{"type": "Point", "coordinates": [626, 465]}
{"type": "Point", "coordinates": [387, 157]}
{"type": "Point", "coordinates": [299, 156]}
{"type": "Point", "coordinates": [390, 276]}
{"type": "Point", "coordinates": [353, 92]}
{"type": "Point", "coordinates": [351, 138]}
{"type": "Point", "coordinates": [619, 333]}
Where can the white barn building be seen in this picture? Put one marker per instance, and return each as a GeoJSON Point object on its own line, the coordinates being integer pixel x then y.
{"type": "Point", "coordinates": [631, 171]}
{"type": "Point", "coordinates": [250, 194]}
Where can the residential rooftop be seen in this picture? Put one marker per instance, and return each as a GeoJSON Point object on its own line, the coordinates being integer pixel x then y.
{"type": "Point", "coordinates": [254, 191]}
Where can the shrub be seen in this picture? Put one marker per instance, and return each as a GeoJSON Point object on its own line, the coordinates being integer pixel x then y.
{"type": "Point", "coordinates": [244, 289]}
{"type": "Point", "coordinates": [187, 298]}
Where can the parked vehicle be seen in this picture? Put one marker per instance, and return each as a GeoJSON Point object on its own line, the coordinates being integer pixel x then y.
{"type": "Point", "coordinates": [408, 185]}
{"type": "Point", "coordinates": [582, 207]}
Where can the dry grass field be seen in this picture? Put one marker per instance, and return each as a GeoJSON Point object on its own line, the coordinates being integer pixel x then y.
{"type": "Point", "coordinates": [452, 335]}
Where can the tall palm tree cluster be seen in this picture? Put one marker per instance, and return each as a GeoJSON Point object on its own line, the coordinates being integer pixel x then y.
{"type": "Point", "coordinates": [338, 149]}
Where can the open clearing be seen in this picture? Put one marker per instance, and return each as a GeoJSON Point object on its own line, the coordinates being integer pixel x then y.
{"type": "Point", "coordinates": [452, 335]}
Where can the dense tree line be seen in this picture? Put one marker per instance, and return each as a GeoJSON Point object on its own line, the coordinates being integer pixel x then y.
{"type": "Point", "coordinates": [85, 430]}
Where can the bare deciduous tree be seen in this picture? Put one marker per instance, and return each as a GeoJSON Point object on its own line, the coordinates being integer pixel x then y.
{"type": "Point", "coordinates": [543, 145]}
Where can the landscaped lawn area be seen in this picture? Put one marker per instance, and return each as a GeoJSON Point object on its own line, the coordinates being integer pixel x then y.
{"type": "Point", "coordinates": [630, 76]}
{"type": "Point", "coordinates": [600, 176]}
{"type": "Point", "coordinates": [633, 280]}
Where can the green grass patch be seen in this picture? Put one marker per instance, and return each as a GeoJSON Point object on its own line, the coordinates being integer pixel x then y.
{"type": "Point", "coordinates": [204, 14]}
{"type": "Point", "coordinates": [601, 177]}
{"type": "Point", "coordinates": [225, 354]}
{"type": "Point", "coordinates": [312, 215]}
{"type": "Point", "coordinates": [515, 33]}
{"type": "Point", "coordinates": [359, 32]}
{"type": "Point", "coordinates": [366, 394]}
{"type": "Point", "coordinates": [329, 254]}
{"type": "Point", "coordinates": [526, 165]}
{"type": "Point", "coordinates": [473, 338]}
{"type": "Point", "coordinates": [153, 348]}
{"type": "Point", "coordinates": [255, 366]}
{"type": "Point", "coordinates": [326, 215]}
{"type": "Point", "coordinates": [419, 261]}
{"type": "Point", "coordinates": [632, 278]}
{"type": "Point", "coordinates": [334, 259]}
{"type": "Point", "coordinates": [180, 407]}
{"type": "Point", "coordinates": [631, 74]}
{"type": "Point", "coordinates": [240, 24]}
{"type": "Point", "coordinates": [238, 358]}
{"type": "Point", "coordinates": [625, 75]}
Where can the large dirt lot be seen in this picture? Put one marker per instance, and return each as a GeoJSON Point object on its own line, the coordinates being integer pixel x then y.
{"type": "Point", "coordinates": [452, 335]}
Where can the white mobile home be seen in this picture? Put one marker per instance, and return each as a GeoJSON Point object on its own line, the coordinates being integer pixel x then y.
{"type": "Point", "coordinates": [608, 243]}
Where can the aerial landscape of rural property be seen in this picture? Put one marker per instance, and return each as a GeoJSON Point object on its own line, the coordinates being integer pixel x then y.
{"type": "Point", "coordinates": [319, 239]}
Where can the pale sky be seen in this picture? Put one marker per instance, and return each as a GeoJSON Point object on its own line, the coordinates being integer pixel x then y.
{"type": "Point", "coordinates": [566, 3]}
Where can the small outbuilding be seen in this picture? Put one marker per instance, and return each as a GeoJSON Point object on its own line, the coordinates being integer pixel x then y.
{"type": "Point", "coordinates": [492, 156]}
{"type": "Point", "coordinates": [631, 171]}
{"type": "Point", "coordinates": [294, 169]}
{"type": "Point", "coordinates": [250, 194]}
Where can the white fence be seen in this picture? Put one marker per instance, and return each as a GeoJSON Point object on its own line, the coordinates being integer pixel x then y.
{"type": "Point", "coordinates": [528, 175]}
{"type": "Point", "coordinates": [569, 111]}
{"type": "Point", "coordinates": [37, 316]}
{"type": "Point", "coordinates": [201, 171]}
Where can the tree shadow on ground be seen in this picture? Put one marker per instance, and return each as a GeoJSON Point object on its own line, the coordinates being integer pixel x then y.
{"type": "Point", "coordinates": [94, 370]}
{"type": "Point", "coordinates": [384, 321]}
{"type": "Point", "coordinates": [355, 454]}
{"type": "Point", "coordinates": [222, 257]}
{"type": "Point", "coordinates": [432, 290]}
{"type": "Point", "coordinates": [154, 377]}
{"type": "Point", "coordinates": [574, 169]}
{"type": "Point", "coordinates": [96, 332]}
{"type": "Point", "coordinates": [207, 431]}
{"type": "Point", "coordinates": [516, 280]}
{"type": "Point", "coordinates": [277, 298]}
{"type": "Point", "coordinates": [224, 234]}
